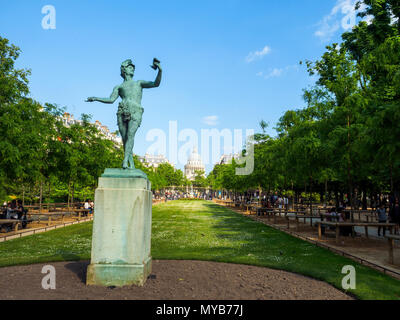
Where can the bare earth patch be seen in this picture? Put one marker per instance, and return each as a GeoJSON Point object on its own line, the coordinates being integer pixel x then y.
{"type": "Point", "coordinates": [170, 280]}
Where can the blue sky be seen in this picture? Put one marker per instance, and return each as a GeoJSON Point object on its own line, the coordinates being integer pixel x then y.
{"type": "Point", "coordinates": [227, 64]}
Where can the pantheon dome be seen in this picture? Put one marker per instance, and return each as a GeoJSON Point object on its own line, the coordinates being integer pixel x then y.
{"type": "Point", "coordinates": [194, 164]}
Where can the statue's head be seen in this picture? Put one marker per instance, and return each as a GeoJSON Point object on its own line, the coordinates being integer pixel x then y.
{"type": "Point", "coordinates": [127, 68]}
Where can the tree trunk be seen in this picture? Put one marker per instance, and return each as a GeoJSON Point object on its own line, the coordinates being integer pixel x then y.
{"type": "Point", "coordinates": [48, 195]}
{"type": "Point", "coordinates": [29, 194]}
{"type": "Point", "coordinates": [391, 178]}
{"type": "Point", "coordinates": [364, 200]}
{"type": "Point", "coordinates": [354, 204]}
{"type": "Point", "coordinates": [349, 179]}
{"type": "Point", "coordinates": [69, 193]}
{"type": "Point", "coordinates": [73, 191]}
{"type": "Point", "coordinates": [311, 204]}
{"type": "Point", "coordinates": [23, 195]}
{"type": "Point", "coordinates": [41, 195]}
{"type": "Point", "coordinates": [326, 193]}
{"type": "Point", "coordinates": [337, 199]}
{"type": "Point", "coordinates": [322, 196]}
{"type": "Point", "coordinates": [341, 197]}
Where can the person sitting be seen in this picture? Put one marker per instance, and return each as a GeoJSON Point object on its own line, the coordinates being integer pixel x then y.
{"type": "Point", "coordinates": [7, 211]}
{"type": "Point", "coordinates": [382, 218]}
{"type": "Point", "coordinates": [87, 206]}
{"type": "Point", "coordinates": [19, 209]}
{"type": "Point", "coordinates": [331, 215]}
{"type": "Point", "coordinates": [91, 203]}
{"type": "Point", "coordinates": [11, 210]}
{"type": "Point", "coordinates": [334, 217]}
{"type": "Point", "coordinates": [341, 217]}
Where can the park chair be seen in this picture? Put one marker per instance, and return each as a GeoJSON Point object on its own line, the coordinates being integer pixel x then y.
{"type": "Point", "coordinates": [8, 227]}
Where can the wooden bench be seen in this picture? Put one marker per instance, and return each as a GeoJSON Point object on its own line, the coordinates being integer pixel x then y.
{"type": "Point", "coordinates": [272, 212]}
{"type": "Point", "coordinates": [13, 222]}
{"type": "Point", "coordinates": [268, 212]}
{"type": "Point", "coordinates": [361, 213]}
{"type": "Point", "coordinates": [337, 225]}
{"type": "Point", "coordinates": [80, 211]}
{"type": "Point", "coordinates": [371, 218]}
{"type": "Point", "coordinates": [50, 215]}
{"type": "Point", "coordinates": [300, 216]}
{"type": "Point", "coordinates": [262, 211]}
{"type": "Point", "coordinates": [391, 239]}
{"type": "Point", "coordinates": [248, 206]}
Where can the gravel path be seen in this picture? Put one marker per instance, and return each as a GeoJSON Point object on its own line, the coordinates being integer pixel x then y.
{"type": "Point", "coordinates": [170, 280]}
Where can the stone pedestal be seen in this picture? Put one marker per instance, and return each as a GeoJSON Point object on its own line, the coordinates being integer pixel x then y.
{"type": "Point", "coordinates": [121, 230]}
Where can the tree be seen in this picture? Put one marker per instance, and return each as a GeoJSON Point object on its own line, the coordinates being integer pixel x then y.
{"type": "Point", "coordinates": [199, 179]}
{"type": "Point", "coordinates": [13, 82]}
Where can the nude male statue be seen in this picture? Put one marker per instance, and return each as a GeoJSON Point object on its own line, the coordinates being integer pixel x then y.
{"type": "Point", "coordinates": [130, 111]}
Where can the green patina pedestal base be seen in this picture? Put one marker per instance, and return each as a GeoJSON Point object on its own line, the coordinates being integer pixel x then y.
{"type": "Point", "coordinates": [121, 230]}
{"type": "Point", "coordinates": [118, 275]}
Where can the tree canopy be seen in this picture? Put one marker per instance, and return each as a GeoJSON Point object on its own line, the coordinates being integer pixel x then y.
{"type": "Point", "coordinates": [346, 138]}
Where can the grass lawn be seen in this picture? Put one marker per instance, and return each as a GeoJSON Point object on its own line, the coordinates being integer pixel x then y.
{"type": "Point", "coordinates": [199, 230]}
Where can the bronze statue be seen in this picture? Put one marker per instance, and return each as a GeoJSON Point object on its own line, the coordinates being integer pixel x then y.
{"type": "Point", "coordinates": [130, 111]}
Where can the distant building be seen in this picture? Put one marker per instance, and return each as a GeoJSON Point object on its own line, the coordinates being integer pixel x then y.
{"type": "Point", "coordinates": [194, 164]}
{"type": "Point", "coordinates": [227, 158]}
{"type": "Point", "coordinates": [109, 135]}
{"type": "Point", "coordinates": [68, 120]}
{"type": "Point", "coordinates": [154, 161]}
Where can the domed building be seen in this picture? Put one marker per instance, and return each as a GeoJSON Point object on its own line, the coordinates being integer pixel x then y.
{"type": "Point", "coordinates": [194, 164]}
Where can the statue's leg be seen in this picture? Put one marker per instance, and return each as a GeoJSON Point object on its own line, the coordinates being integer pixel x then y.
{"type": "Point", "coordinates": [123, 130]}
{"type": "Point", "coordinates": [132, 128]}
{"type": "Point", "coordinates": [131, 162]}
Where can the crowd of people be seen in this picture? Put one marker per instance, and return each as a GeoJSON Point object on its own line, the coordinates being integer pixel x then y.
{"type": "Point", "coordinates": [275, 201]}
{"type": "Point", "coordinates": [170, 195]}
{"type": "Point", "coordinates": [13, 210]}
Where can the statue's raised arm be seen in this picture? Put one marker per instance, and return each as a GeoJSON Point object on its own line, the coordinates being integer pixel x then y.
{"type": "Point", "coordinates": [156, 83]}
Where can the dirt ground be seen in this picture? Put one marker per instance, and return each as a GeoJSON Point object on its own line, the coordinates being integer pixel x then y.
{"type": "Point", "coordinates": [170, 280]}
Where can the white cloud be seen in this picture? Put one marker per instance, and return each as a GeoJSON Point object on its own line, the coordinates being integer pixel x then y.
{"type": "Point", "coordinates": [343, 15]}
{"type": "Point", "coordinates": [210, 120]}
{"type": "Point", "coordinates": [277, 72]}
{"type": "Point", "coordinates": [258, 54]}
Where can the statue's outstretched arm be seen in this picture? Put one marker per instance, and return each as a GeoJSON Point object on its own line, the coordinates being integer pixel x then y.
{"type": "Point", "coordinates": [110, 100]}
{"type": "Point", "coordinates": [156, 83]}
